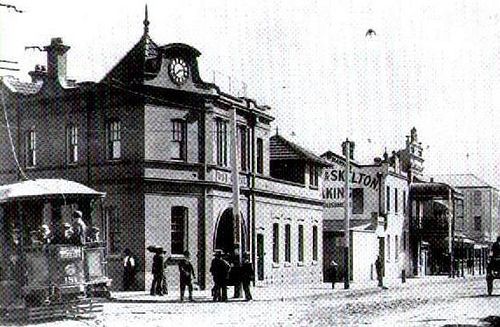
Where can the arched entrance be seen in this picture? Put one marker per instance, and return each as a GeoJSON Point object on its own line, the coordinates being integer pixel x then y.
{"type": "Point", "coordinates": [224, 233]}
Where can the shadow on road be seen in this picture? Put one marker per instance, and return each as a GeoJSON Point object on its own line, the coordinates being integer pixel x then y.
{"type": "Point", "coordinates": [155, 301]}
{"type": "Point", "coordinates": [480, 296]}
{"type": "Point", "coordinates": [491, 321]}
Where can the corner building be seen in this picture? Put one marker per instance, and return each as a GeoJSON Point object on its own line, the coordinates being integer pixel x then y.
{"type": "Point", "coordinates": [156, 138]}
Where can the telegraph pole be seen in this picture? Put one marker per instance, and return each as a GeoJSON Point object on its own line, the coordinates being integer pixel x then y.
{"type": "Point", "coordinates": [235, 176]}
{"type": "Point", "coordinates": [347, 212]}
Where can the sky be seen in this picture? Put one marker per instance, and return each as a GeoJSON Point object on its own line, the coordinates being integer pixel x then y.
{"type": "Point", "coordinates": [433, 65]}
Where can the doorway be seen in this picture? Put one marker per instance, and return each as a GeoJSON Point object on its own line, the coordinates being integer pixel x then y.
{"type": "Point", "coordinates": [224, 233]}
{"type": "Point", "coordinates": [260, 257]}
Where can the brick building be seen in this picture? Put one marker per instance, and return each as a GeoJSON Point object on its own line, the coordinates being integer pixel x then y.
{"type": "Point", "coordinates": [156, 138]}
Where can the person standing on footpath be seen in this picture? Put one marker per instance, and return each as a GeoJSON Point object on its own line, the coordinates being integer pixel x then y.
{"type": "Point", "coordinates": [247, 275]}
{"type": "Point", "coordinates": [157, 270]}
{"type": "Point", "coordinates": [219, 269]}
{"type": "Point", "coordinates": [333, 272]}
{"type": "Point", "coordinates": [129, 270]}
{"type": "Point", "coordinates": [186, 273]}
{"type": "Point", "coordinates": [379, 268]}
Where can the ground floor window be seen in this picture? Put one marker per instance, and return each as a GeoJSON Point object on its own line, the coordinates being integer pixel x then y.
{"type": "Point", "coordinates": [300, 243]}
{"type": "Point", "coordinates": [178, 224]}
{"type": "Point", "coordinates": [276, 243]}
{"type": "Point", "coordinates": [315, 243]}
{"type": "Point", "coordinates": [288, 245]}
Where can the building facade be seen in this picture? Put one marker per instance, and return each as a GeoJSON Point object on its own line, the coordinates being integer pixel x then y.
{"type": "Point", "coordinates": [379, 216]}
{"type": "Point", "coordinates": [157, 139]}
{"type": "Point", "coordinates": [478, 218]}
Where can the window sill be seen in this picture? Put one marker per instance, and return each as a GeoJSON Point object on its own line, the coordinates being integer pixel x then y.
{"type": "Point", "coordinates": [287, 264]}
{"type": "Point", "coordinates": [300, 264]}
{"type": "Point", "coordinates": [276, 265]}
{"type": "Point", "coordinates": [314, 187]}
{"type": "Point", "coordinates": [314, 263]}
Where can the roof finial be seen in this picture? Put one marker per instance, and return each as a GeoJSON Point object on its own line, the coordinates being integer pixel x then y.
{"type": "Point", "coordinates": [146, 21]}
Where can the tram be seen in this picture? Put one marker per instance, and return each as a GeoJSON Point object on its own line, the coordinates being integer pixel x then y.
{"type": "Point", "coordinates": [46, 272]}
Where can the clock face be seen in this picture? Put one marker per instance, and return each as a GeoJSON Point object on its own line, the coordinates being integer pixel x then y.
{"type": "Point", "coordinates": [178, 70]}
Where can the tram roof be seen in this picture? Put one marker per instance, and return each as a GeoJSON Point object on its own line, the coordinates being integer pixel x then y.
{"type": "Point", "coordinates": [45, 188]}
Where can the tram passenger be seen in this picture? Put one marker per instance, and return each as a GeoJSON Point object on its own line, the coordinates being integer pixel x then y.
{"type": "Point", "coordinates": [46, 234]}
{"type": "Point", "coordinates": [79, 227]}
{"type": "Point", "coordinates": [35, 238]}
{"type": "Point", "coordinates": [93, 234]}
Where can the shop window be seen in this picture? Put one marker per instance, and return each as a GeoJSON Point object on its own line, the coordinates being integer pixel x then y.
{"type": "Point", "coordinates": [276, 243]}
{"type": "Point", "coordinates": [357, 200]}
{"type": "Point", "coordinates": [178, 229]}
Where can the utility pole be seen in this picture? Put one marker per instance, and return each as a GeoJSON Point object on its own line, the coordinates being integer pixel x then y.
{"type": "Point", "coordinates": [346, 146]}
{"type": "Point", "coordinates": [235, 176]}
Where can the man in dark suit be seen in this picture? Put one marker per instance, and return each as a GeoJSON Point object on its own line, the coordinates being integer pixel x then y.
{"type": "Point", "coordinates": [186, 273]}
{"type": "Point", "coordinates": [157, 270]}
{"type": "Point", "coordinates": [247, 275]}
{"type": "Point", "coordinates": [219, 269]}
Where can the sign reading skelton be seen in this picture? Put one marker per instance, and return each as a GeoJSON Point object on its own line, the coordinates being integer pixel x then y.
{"type": "Point", "coordinates": [334, 184]}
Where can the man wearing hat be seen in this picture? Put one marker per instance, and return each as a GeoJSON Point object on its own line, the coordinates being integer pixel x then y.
{"type": "Point", "coordinates": [219, 269]}
{"type": "Point", "coordinates": [186, 273]}
{"type": "Point", "coordinates": [157, 270]}
{"type": "Point", "coordinates": [79, 227]}
{"type": "Point", "coordinates": [247, 275]}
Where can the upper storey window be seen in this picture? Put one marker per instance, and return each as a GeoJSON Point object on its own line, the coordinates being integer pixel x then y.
{"type": "Point", "coordinates": [72, 141]}
{"type": "Point", "coordinates": [178, 139]}
{"type": "Point", "coordinates": [221, 141]}
{"type": "Point", "coordinates": [31, 148]}
{"type": "Point", "coordinates": [113, 138]}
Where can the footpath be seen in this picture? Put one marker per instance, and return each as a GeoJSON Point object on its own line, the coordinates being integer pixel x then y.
{"type": "Point", "coordinates": [282, 292]}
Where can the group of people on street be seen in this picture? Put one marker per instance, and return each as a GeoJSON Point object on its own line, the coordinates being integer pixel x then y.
{"type": "Point", "coordinates": [220, 269]}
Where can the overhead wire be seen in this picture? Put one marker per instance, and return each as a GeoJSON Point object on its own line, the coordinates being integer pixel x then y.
{"type": "Point", "coordinates": [13, 148]}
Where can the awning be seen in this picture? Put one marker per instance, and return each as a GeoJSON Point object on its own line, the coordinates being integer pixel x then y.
{"type": "Point", "coordinates": [45, 188]}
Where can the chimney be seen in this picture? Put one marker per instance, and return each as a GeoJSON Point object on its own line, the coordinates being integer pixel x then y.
{"type": "Point", "coordinates": [56, 59]}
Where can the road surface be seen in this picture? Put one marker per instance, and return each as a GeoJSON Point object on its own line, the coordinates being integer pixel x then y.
{"type": "Point", "coordinates": [430, 301]}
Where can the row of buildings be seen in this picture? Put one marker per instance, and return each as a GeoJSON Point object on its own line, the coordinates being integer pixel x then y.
{"type": "Point", "coordinates": [157, 139]}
